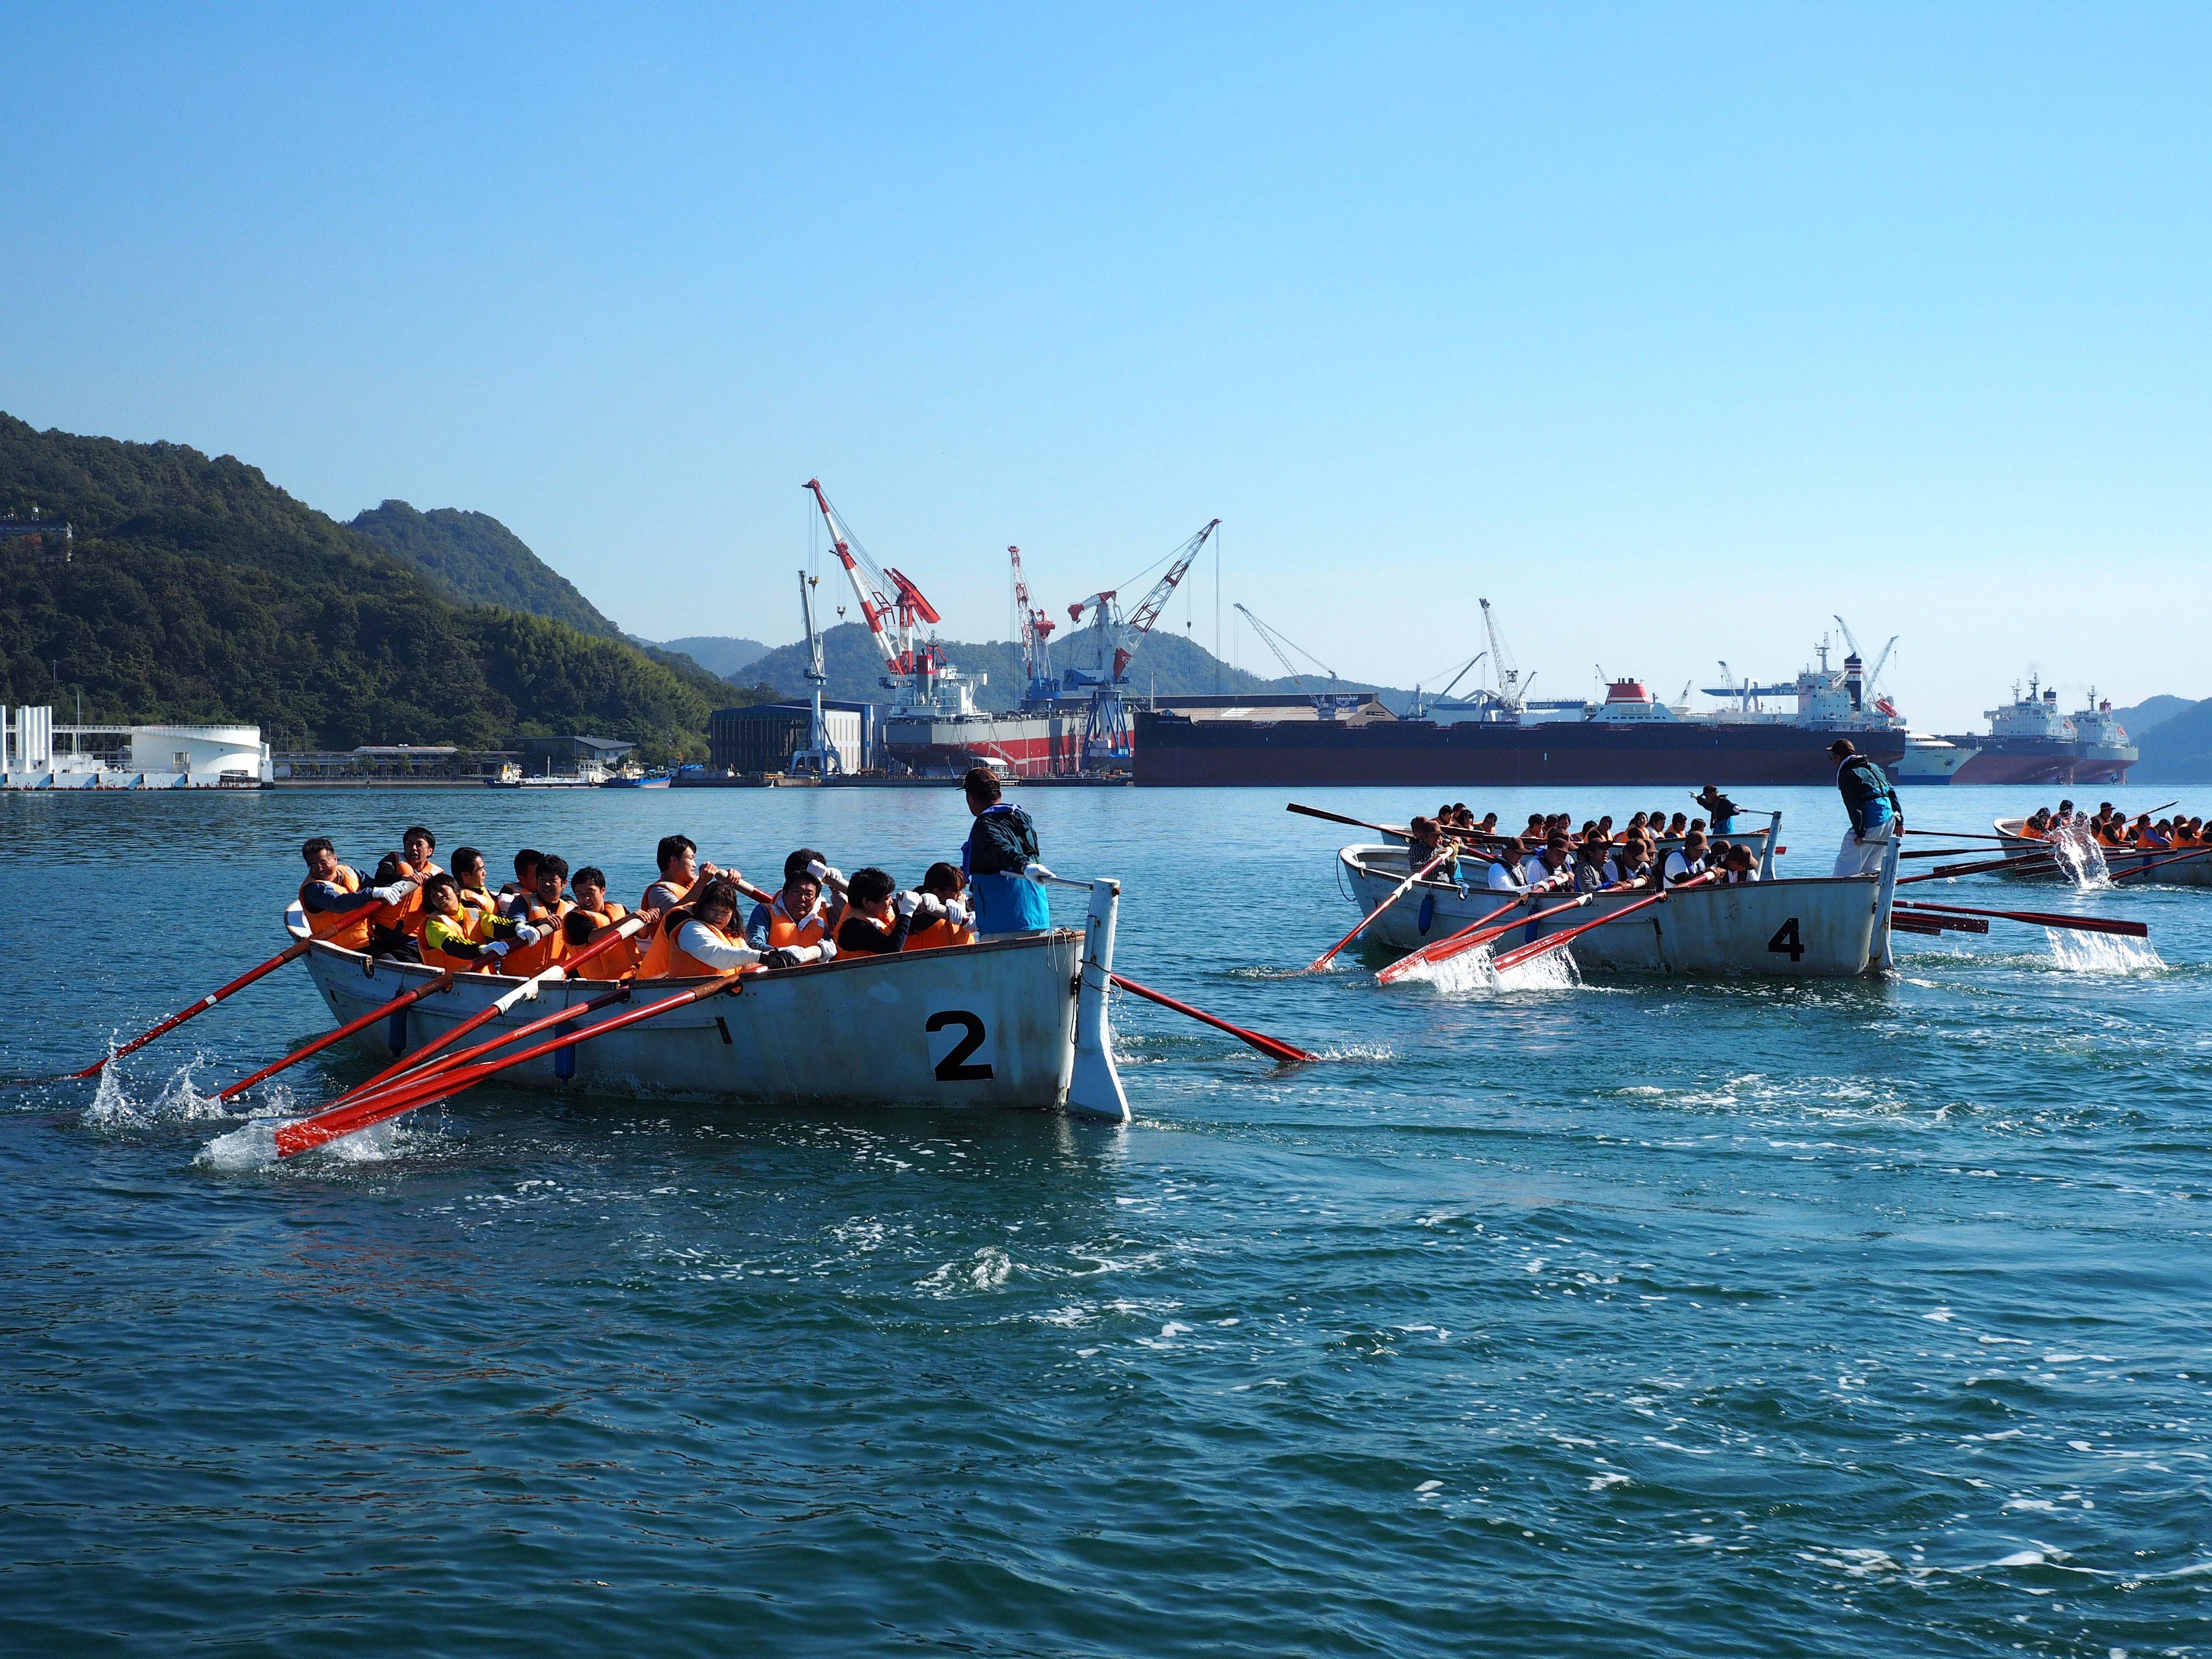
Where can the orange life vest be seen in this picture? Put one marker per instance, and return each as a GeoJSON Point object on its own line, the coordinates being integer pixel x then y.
{"type": "Point", "coordinates": [682, 965]}
{"type": "Point", "coordinates": [784, 933]}
{"type": "Point", "coordinates": [664, 895]}
{"type": "Point", "coordinates": [413, 917]}
{"type": "Point", "coordinates": [472, 925]}
{"type": "Point", "coordinates": [525, 961]}
{"type": "Point", "coordinates": [615, 963]}
{"type": "Point", "coordinates": [939, 934]}
{"type": "Point", "coordinates": [348, 929]}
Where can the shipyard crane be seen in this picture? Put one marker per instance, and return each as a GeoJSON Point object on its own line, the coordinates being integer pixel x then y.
{"type": "Point", "coordinates": [1277, 643]}
{"type": "Point", "coordinates": [1880, 662]}
{"type": "Point", "coordinates": [1106, 734]}
{"type": "Point", "coordinates": [1509, 671]}
{"type": "Point", "coordinates": [890, 605]}
{"type": "Point", "coordinates": [1421, 706]}
{"type": "Point", "coordinates": [820, 756]}
{"type": "Point", "coordinates": [1036, 637]}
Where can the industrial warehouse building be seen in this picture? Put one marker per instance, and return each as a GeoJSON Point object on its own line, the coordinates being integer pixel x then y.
{"type": "Point", "coordinates": [761, 738]}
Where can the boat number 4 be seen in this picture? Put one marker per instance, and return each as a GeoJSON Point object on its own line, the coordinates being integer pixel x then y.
{"type": "Point", "coordinates": [1786, 940]}
{"type": "Point", "coordinates": [954, 1067]}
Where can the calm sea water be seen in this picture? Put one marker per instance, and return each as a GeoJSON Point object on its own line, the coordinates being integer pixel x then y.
{"type": "Point", "coordinates": [1614, 1317]}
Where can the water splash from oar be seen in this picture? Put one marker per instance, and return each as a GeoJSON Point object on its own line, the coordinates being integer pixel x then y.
{"type": "Point", "coordinates": [2102, 953]}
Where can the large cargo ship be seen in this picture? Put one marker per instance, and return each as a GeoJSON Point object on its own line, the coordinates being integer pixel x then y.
{"type": "Point", "coordinates": [2031, 741]}
{"type": "Point", "coordinates": [1630, 738]}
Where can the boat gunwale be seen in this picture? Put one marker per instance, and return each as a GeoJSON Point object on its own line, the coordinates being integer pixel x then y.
{"type": "Point", "coordinates": [1359, 868]}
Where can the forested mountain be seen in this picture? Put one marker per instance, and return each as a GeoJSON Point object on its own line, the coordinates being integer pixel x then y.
{"type": "Point", "coordinates": [200, 591]}
{"type": "Point", "coordinates": [1166, 663]}
{"type": "Point", "coordinates": [716, 654]}
{"type": "Point", "coordinates": [2151, 712]}
{"type": "Point", "coordinates": [2177, 750]}
{"type": "Point", "coordinates": [482, 562]}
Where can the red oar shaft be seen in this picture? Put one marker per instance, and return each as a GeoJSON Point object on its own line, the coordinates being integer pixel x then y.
{"type": "Point", "coordinates": [1471, 937]}
{"type": "Point", "coordinates": [2040, 919]}
{"type": "Point", "coordinates": [1396, 893]}
{"type": "Point", "coordinates": [1514, 959]}
{"type": "Point", "coordinates": [290, 953]}
{"type": "Point", "coordinates": [484, 1016]}
{"type": "Point", "coordinates": [444, 982]}
{"type": "Point", "coordinates": [444, 1063]}
{"type": "Point", "coordinates": [309, 1133]}
{"type": "Point", "coordinates": [1264, 1044]}
{"type": "Point", "coordinates": [2032, 862]}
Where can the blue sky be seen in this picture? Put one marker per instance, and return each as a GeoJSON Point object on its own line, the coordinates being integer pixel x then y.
{"type": "Point", "coordinates": [1670, 331]}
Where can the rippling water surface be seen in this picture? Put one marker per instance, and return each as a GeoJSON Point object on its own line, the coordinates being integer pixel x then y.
{"type": "Point", "coordinates": [1582, 1316]}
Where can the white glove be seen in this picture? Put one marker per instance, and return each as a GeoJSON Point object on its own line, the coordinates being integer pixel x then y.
{"type": "Point", "coordinates": [393, 894]}
{"type": "Point", "coordinates": [907, 903]}
{"type": "Point", "coordinates": [828, 874]}
{"type": "Point", "coordinates": [828, 948]}
{"type": "Point", "coordinates": [498, 947]}
{"type": "Point", "coordinates": [1037, 873]}
{"type": "Point", "coordinates": [958, 914]}
{"type": "Point", "coordinates": [526, 934]}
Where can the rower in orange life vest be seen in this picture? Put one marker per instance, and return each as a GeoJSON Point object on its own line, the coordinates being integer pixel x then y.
{"type": "Point", "coordinates": [700, 940]}
{"type": "Point", "coordinates": [794, 927]}
{"type": "Point", "coordinates": [595, 916]}
{"type": "Point", "coordinates": [681, 873]}
{"type": "Point", "coordinates": [878, 916]}
{"type": "Point", "coordinates": [943, 917]}
{"type": "Point", "coordinates": [455, 937]}
{"type": "Point", "coordinates": [336, 905]}
{"type": "Point", "coordinates": [475, 889]}
{"type": "Point", "coordinates": [548, 904]}
{"type": "Point", "coordinates": [396, 930]}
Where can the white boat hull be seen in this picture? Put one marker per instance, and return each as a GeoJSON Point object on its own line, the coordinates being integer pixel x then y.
{"type": "Point", "coordinates": [990, 1024]}
{"type": "Point", "coordinates": [1806, 928]}
{"type": "Point", "coordinates": [2182, 872]}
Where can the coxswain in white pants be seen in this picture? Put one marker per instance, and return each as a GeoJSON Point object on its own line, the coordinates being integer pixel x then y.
{"type": "Point", "coordinates": [1873, 805]}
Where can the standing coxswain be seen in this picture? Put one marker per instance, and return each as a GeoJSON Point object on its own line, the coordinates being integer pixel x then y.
{"type": "Point", "coordinates": [1000, 858]}
{"type": "Point", "coordinates": [1871, 800]}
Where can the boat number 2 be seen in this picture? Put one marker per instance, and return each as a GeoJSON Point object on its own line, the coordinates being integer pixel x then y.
{"type": "Point", "coordinates": [954, 1067]}
{"type": "Point", "coordinates": [1785, 938]}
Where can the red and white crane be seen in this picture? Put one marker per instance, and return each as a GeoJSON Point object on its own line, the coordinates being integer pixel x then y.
{"type": "Point", "coordinates": [1121, 636]}
{"type": "Point", "coordinates": [891, 615]}
{"type": "Point", "coordinates": [1036, 635]}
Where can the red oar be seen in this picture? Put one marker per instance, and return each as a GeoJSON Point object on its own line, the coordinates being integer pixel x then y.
{"type": "Point", "coordinates": [1466, 836]}
{"type": "Point", "coordinates": [1436, 950]}
{"type": "Point", "coordinates": [443, 981]}
{"type": "Point", "coordinates": [373, 1090]}
{"type": "Point", "coordinates": [523, 992]}
{"type": "Point", "coordinates": [304, 1134]}
{"type": "Point", "coordinates": [2040, 919]}
{"type": "Point", "coordinates": [2036, 863]}
{"type": "Point", "coordinates": [1264, 1044]}
{"type": "Point", "coordinates": [1396, 893]}
{"type": "Point", "coordinates": [1475, 934]}
{"type": "Point", "coordinates": [1515, 957]}
{"type": "Point", "coordinates": [288, 953]}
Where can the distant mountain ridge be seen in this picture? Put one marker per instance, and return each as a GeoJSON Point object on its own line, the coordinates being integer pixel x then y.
{"type": "Point", "coordinates": [717, 654]}
{"type": "Point", "coordinates": [2177, 749]}
{"type": "Point", "coordinates": [1165, 663]}
{"type": "Point", "coordinates": [2151, 712]}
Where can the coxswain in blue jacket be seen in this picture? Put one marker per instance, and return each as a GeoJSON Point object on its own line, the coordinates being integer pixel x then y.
{"type": "Point", "coordinates": [1001, 850]}
{"type": "Point", "coordinates": [1872, 803]}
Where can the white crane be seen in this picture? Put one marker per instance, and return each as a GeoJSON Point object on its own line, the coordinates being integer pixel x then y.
{"type": "Point", "coordinates": [820, 756]}
{"type": "Point", "coordinates": [1282, 645]}
{"type": "Point", "coordinates": [1509, 671]}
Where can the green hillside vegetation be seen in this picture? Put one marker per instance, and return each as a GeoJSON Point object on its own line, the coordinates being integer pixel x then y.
{"type": "Point", "coordinates": [2177, 750]}
{"type": "Point", "coordinates": [480, 562]}
{"type": "Point", "coordinates": [200, 591]}
{"type": "Point", "coordinates": [716, 654]}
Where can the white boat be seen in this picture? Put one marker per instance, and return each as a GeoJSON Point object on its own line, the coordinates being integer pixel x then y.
{"type": "Point", "coordinates": [1932, 759]}
{"type": "Point", "coordinates": [1804, 927]}
{"type": "Point", "coordinates": [2182, 870]}
{"type": "Point", "coordinates": [1015, 1021]}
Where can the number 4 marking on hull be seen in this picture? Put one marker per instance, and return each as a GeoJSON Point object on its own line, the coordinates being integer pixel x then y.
{"type": "Point", "coordinates": [1785, 938]}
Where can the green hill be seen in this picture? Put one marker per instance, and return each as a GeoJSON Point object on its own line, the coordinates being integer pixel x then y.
{"type": "Point", "coordinates": [716, 654]}
{"type": "Point", "coordinates": [482, 562]}
{"type": "Point", "coordinates": [200, 591]}
{"type": "Point", "coordinates": [2177, 750]}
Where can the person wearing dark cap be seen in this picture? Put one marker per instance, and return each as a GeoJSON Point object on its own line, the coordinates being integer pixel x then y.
{"type": "Point", "coordinates": [1723, 809]}
{"type": "Point", "coordinates": [1872, 802]}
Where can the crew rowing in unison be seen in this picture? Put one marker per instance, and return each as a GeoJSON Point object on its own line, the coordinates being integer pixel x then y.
{"type": "Point", "coordinates": [414, 911]}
